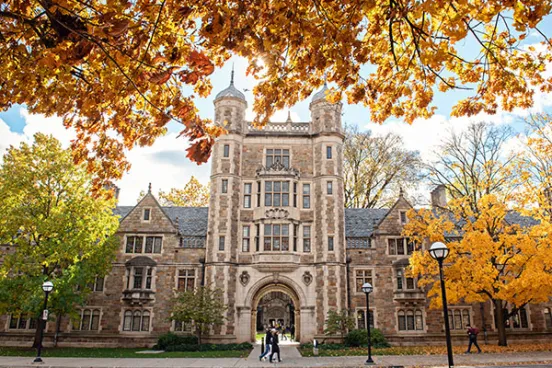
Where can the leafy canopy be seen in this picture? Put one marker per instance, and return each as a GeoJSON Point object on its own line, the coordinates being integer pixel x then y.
{"type": "Point", "coordinates": [194, 194]}
{"type": "Point", "coordinates": [116, 70]}
{"type": "Point", "coordinates": [52, 227]}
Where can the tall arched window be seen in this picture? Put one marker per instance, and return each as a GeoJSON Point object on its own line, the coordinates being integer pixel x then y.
{"type": "Point", "coordinates": [419, 320]}
{"type": "Point", "coordinates": [548, 318]}
{"type": "Point", "coordinates": [127, 323]}
{"type": "Point", "coordinates": [137, 320]}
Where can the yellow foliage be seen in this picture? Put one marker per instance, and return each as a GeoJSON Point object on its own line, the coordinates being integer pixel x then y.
{"type": "Point", "coordinates": [115, 70]}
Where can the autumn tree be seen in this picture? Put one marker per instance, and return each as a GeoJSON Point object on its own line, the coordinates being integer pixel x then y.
{"type": "Point", "coordinates": [194, 194]}
{"type": "Point", "coordinates": [202, 306]}
{"type": "Point", "coordinates": [339, 322]}
{"type": "Point", "coordinates": [376, 168]}
{"type": "Point", "coordinates": [53, 228]}
{"type": "Point", "coordinates": [535, 163]}
{"type": "Point", "coordinates": [118, 72]}
{"type": "Point", "coordinates": [496, 253]}
{"type": "Point", "coordinates": [474, 162]}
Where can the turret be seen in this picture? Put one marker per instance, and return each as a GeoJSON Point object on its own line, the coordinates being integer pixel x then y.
{"type": "Point", "coordinates": [230, 105]}
{"type": "Point", "coordinates": [325, 116]}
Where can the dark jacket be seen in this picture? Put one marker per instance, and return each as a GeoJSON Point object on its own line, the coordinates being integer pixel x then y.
{"type": "Point", "coordinates": [268, 338]}
{"type": "Point", "coordinates": [275, 340]}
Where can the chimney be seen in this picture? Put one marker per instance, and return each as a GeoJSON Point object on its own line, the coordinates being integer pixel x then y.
{"type": "Point", "coordinates": [439, 196]}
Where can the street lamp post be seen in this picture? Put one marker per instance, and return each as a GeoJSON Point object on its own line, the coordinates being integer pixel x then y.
{"type": "Point", "coordinates": [367, 289]}
{"type": "Point", "coordinates": [439, 252]}
{"type": "Point", "coordinates": [47, 287]}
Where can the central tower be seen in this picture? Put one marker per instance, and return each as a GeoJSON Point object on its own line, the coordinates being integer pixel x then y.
{"type": "Point", "coordinates": [276, 219]}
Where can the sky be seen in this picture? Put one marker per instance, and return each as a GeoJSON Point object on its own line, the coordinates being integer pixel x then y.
{"type": "Point", "coordinates": [165, 165]}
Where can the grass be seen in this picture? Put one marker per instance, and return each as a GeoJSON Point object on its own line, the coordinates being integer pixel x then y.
{"type": "Point", "coordinates": [423, 350]}
{"type": "Point", "coordinates": [119, 353]}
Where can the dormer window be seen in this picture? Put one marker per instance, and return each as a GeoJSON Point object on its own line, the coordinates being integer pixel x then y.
{"type": "Point", "coordinates": [146, 214]}
{"type": "Point", "coordinates": [277, 155]}
{"type": "Point", "coordinates": [402, 215]}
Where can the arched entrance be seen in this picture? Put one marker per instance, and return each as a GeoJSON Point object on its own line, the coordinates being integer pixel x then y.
{"type": "Point", "coordinates": [275, 303]}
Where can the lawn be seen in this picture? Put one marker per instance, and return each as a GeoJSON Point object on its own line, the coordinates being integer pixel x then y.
{"type": "Point", "coordinates": [334, 350]}
{"type": "Point", "coordinates": [119, 353]}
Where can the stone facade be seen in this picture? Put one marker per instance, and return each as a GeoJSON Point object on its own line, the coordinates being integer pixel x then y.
{"type": "Point", "coordinates": [276, 225]}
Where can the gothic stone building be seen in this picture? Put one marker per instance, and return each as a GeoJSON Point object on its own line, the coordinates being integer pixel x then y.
{"type": "Point", "coordinates": [277, 240]}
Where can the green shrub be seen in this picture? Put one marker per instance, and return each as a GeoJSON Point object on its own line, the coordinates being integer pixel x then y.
{"type": "Point", "coordinates": [210, 347]}
{"type": "Point", "coordinates": [168, 340]}
{"type": "Point", "coordinates": [357, 338]}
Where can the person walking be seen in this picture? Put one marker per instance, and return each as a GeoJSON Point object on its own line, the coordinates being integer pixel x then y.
{"type": "Point", "coordinates": [472, 335]}
{"type": "Point", "coordinates": [292, 332]}
{"type": "Point", "coordinates": [275, 347]}
{"type": "Point", "coordinates": [268, 344]}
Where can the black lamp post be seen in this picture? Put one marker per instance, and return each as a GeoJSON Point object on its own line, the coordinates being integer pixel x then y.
{"type": "Point", "coordinates": [439, 252]}
{"type": "Point", "coordinates": [47, 287]}
{"type": "Point", "coordinates": [367, 289]}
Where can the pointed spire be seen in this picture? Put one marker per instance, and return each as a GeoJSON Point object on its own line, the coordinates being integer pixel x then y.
{"type": "Point", "coordinates": [149, 188]}
{"type": "Point", "coordinates": [401, 192]}
{"type": "Point", "coordinates": [289, 117]}
{"type": "Point", "coordinates": [232, 76]}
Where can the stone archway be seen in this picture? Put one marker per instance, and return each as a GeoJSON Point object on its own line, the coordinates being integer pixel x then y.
{"type": "Point", "coordinates": [276, 288]}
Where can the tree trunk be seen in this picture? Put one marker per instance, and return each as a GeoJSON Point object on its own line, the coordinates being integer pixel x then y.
{"type": "Point", "coordinates": [38, 332]}
{"type": "Point", "coordinates": [500, 325]}
{"type": "Point", "coordinates": [198, 332]}
{"type": "Point", "coordinates": [58, 327]}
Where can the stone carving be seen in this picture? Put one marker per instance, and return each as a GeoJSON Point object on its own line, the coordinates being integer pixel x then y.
{"type": "Point", "coordinates": [276, 213]}
{"type": "Point", "coordinates": [275, 277]}
{"type": "Point", "coordinates": [307, 278]}
{"type": "Point", "coordinates": [277, 169]}
{"type": "Point", "coordinates": [244, 278]}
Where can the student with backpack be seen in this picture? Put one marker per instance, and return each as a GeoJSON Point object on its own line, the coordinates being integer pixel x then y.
{"type": "Point", "coordinates": [472, 335]}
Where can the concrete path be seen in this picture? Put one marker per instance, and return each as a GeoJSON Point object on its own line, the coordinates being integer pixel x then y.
{"type": "Point", "coordinates": [290, 359]}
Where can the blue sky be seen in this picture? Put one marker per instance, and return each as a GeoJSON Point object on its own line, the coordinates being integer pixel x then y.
{"type": "Point", "coordinates": [166, 165]}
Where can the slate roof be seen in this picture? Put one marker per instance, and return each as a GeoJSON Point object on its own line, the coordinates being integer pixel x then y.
{"type": "Point", "coordinates": [192, 221]}
{"type": "Point", "coordinates": [360, 222]}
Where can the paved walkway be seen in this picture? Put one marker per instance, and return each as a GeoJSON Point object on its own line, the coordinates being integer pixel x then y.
{"type": "Point", "coordinates": [290, 358]}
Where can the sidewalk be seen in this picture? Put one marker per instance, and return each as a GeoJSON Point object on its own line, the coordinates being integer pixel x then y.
{"type": "Point", "coordinates": [291, 358]}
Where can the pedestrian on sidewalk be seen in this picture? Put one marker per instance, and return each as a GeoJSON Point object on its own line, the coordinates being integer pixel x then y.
{"type": "Point", "coordinates": [472, 336]}
{"type": "Point", "coordinates": [268, 344]}
{"type": "Point", "coordinates": [275, 347]}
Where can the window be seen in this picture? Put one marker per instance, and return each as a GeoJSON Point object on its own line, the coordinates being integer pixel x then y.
{"type": "Point", "coordinates": [135, 244]}
{"type": "Point", "coordinates": [548, 318]}
{"type": "Point", "coordinates": [186, 280]}
{"type": "Point", "coordinates": [221, 242]}
{"type": "Point", "coordinates": [361, 319]}
{"type": "Point", "coordinates": [459, 318]}
{"type": "Point", "coordinates": [192, 242]}
{"type": "Point", "coordinates": [402, 215]}
{"type": "Point", "coordinates": [410, 320]}
{"type": "Point", "coordinates": [257, 237]}
{"type": "Point", "coordinates": [137, 320]}
{"type": "Point", "coordinates": [89, 320]}
{"type": "Point", "coordinates": [328, 152]}
{"type": "Point", "coordinates": [224, 186]}
{"type": "Point", "coordinates": [519, 319]}
{"type": "Point", "coordinates": [22, 322]}
{"type": "Point", "coordinates": [306, 195]}
{"type": "Point", "coordinates": [226, 151]}
{"type": "Point", "coordinates": [140, 278]}
{"type": "Point", "coordinates": [359, 243]}
{"type": "Point", "coordinates": [330, 243]}
{"type": "Point", "coordinates": [329, 186]}
{"type": "Point", "coordinates": [306, 238]}
{"type": "Point", "coordinates": [276, 237]}
{"type": "Point", "coordinates": [362, 277]}
{"type": "Point", "coordinates": [97, 284]}
{"type": "Point", "coordinates": [247, 195]}
{"type": "Point", "coordinates": [400, 246]}
{"type": "Point", "coordinates": [277, 155]}
{"type": "Point", "coordinates": [295, 237]}
{"type": "Point", "coordinates": [405, 283]}
{"type": "Point", "coordinates": [245, 238]}
{"type": "Point", "coordinates": [277, 193]}
{"type": "Point", "coordinates": [147, 214]}
{"type": "Point", "coordinates": [294, 194]}
{"type": "Point", "coordinates": [180, 326]}
{"type": "Point", "coordinates": [258, 194]}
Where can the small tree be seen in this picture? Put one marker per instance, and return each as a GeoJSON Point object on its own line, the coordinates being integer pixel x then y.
{"type": "Point", "coordinates": [340, 322]}
{"type": "Point", "coordinates": [204, 307]}
{"type": "Point", "coordinates": [194, 194]}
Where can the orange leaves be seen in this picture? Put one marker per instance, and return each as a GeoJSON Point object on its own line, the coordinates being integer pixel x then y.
{"type": "Point", "coordinates": [161, 77]}
{"type": "Point", "coordinates": [118, 28]}
{"type": "Point", "coordinates": [201, 63]}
